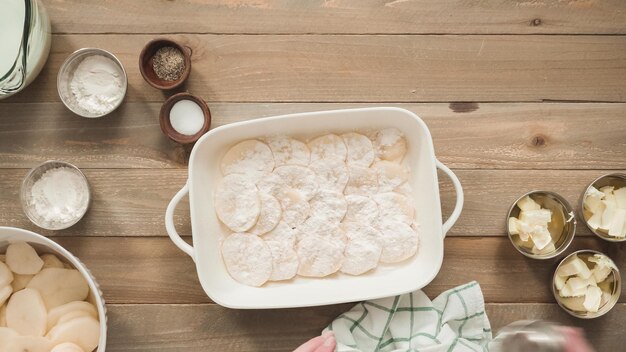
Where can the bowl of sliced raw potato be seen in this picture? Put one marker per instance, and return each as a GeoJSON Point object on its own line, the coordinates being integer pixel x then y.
{"type": "Point", "coordinates": [49, 301]}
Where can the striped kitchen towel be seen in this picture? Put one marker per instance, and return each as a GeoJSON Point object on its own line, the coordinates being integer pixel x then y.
{"type": "Point", "coordinates": [454, 321]}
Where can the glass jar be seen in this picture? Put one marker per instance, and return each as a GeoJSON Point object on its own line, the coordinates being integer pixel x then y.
{"type": "Point", "coordinates": [25, 36]}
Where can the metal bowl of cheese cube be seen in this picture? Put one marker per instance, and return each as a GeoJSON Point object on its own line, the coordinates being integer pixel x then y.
{"type": "Point", "coordinates": [603, 207]}
{"type": "Point", "coordinates": [541, 224]}
{"type": "Point", "coordinates": [58, 312]}
{"type": "Point", "coordinates": [587, 284]}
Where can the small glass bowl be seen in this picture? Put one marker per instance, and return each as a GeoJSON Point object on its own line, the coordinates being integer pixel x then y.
{"type": "Point", "coordinates": [617, 180]}
{"type": "Point", "coordinates": [562, 227]}
{"type": "Point", "coordinates": [65, 76]}
{"type": "Point", "coordinates": [33, 176]}
{"type": "Point", "coordinates": [616, 287]}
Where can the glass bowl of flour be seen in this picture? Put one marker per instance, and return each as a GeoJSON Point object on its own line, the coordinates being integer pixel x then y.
{"type": "Point", "coordinates": [55, 195]}
{"type": "Point", "coordinates": [92, 82]}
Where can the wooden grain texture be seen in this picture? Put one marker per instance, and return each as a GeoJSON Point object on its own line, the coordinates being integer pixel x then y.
{"type": "Point", "coordinates": [346, 68]}
{"type": "Point", "coordinates": [338, 16]}
{"type": "Point", "coordinates": [466, 135]}
{"type": "Point", "coordinates": [154, 270]}
{"type": "Point", "coordinates": [169, 328]}
{"type": "Point", "coordinates": [132, 203]}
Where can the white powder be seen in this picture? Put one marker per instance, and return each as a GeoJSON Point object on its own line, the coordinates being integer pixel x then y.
{"type": "Point", "coordinates": [97, 84]}
{"type": "Point", "coordinates": [187, 117]}
{"type": "Point", "coordinates": [60, 196]}
{"type": "Point", "coordinates": [389, 136]}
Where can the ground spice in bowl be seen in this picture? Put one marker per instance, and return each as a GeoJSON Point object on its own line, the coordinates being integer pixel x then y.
{"type": "Point", "coordinates": [168, 63]}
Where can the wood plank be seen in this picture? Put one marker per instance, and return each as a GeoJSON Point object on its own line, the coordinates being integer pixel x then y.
{"type": "Point", "coordinates": [404, 68]}
{"type": "Point", "coordinates": [177, 328]}
{"type": "Point", "coordinates": [466, 135]}
{"type": "Point", "coordinates": [132, 202]}
{"type": "Point", "coordinates": [153, 270]}
{"type": "Point", "coordinates": [338, 16]}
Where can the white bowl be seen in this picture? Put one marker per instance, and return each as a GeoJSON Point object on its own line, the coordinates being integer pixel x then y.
{"type": "Point", "coordinates": [44, 245]}
{"type": "Point", "coordinates": [386, 280]}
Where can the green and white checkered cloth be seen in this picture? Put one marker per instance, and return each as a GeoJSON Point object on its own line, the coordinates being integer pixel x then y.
{"type": "Point", "coordinates": [454, 321]}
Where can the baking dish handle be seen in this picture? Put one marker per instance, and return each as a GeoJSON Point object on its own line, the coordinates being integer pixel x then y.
{"type": "Point", "coordinates": [456, 213]}
{"type": "Point", "coordinates": [169, 222]}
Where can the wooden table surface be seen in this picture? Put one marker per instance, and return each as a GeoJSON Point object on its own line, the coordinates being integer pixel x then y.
{"type": "Point", "coordinates": [518, 95]}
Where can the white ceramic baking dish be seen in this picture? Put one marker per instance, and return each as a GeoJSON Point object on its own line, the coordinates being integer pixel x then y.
{"type": "Point", "coordinates": [42, 244]}
{"type": "Point", "coordinates": [386, 280]}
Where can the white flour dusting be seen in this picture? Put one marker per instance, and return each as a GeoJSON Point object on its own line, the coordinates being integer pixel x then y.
{"type": "Point", "coordinates": [97, 84]}
{"type": "Point", "coordinates": [328, 147]}
{"type": "Point", "coordinates": [248, 259]}
{"type": "Point", "coordinates": [237, 202]}
{"type": "Point", "coordinates": [337, 203]}
{"type": "Point", "coordinates": [319, 256]}
{"type": "Point", "coordinates": [60, 196]}
{"type": "Point", "coordinates": [360, 149]}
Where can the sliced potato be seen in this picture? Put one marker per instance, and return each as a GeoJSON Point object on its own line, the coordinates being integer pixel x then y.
{"type": "Point", "coordinates": [73, 315]}
{"type": "Point", "coordinates": [67, 347]}
{"type": "Point", "coordinates": [51, 261]}
{"type": "Point", "coordinates": [59, 286]}
{"type": "Point", "coordinates": [3, 316]}
{"type": "Point", "coordinates": [83, 331]}
{"type": "Point", "coordinates": [23, 259]}
{"type": "Point", "coordinates": [6, 276]}
{"type": "Point", "coordinates": [26, 313]}
{"type": "Point", "coordinates": [6, 336]}
{"type": "Point", "coordinates": [20, 281]}
{"type": "Point", "coordinates": [5, 293]}
{"type": "Point", "coordinates": [29, 344]}
{"type": "Point", "coordinates": [54, 315]}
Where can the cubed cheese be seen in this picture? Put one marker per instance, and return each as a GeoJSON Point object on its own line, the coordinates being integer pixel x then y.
{"type": "Point", "coordinates": [547, 249]}
{"type": "Point", "coordinates": [539, 217]}
{"type": "Point", "coordinates": [600, 273]}
{"type": "Point", "coordinates": [527, 204]}
{"type": "Point", "coordinates": [595, 221]}
{"type": "Point", "coordinates": [524, 230]}
{"type": "Point", "coordinates": [559, 282]}
{"type": "Point", "coordinates": [577, 284]}
{"type": "Point", "coordinates": [620, 197]}
{"type": "Point", "coordinates": [567, 291]}
{"type": "Point", "coordinates": [574, 303]}
{"type": "Point", "coordinates": [617, 225]}
{"type": "Point", "coordinates": [513, 230]}
{"type": "Point", "coordinates": [603, 267]}
{"type": "Point", "coordinates": [593, 199]}
{"type": "Point", "coordinates": [541, 237]}
{"type": "Point", "coordinates": [592, 299]}
{"type": "Point", "coordinates": [574, 266]}
{"type": "Point", "coordinates": [608, 215]}
{"type": "Point", "coordinates": [607, 190]}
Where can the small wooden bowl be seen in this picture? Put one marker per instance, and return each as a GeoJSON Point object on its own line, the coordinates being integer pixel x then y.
{"type": "Point", "coordinates": [146, 59]}
{"type": "Point", "coordinates": [166, 125]}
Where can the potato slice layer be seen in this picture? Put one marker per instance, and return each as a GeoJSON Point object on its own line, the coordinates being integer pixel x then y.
{"type": "Point", "coordinates": [23, 259]}
{"type": "Point", "coordinates": [83, 331]}
{"type": "Point", "coordinates": [59, 286]}
{"type": "Point", "coordinates": [54, 315]}
{"type": "Point", "coordinates": [26, 313]}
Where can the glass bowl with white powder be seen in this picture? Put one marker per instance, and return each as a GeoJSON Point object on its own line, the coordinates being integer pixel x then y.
{"type": "Point", "coordinates": [92, 82]}
{"type": "Point", "coordinates": [55, 195]}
